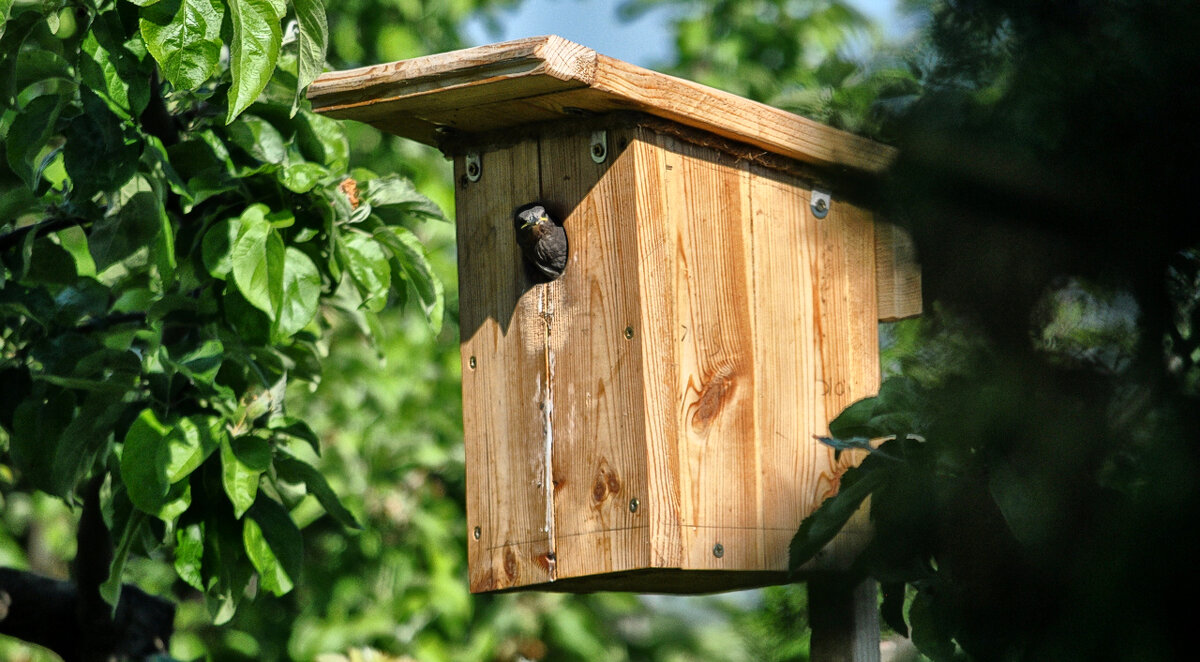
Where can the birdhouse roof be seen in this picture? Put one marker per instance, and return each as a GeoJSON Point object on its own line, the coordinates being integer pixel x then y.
{"type": "Point", "coordinates": [537, 79]}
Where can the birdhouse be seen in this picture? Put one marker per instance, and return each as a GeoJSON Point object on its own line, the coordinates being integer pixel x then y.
{"type": "Point", "coordinates": [646, 421]}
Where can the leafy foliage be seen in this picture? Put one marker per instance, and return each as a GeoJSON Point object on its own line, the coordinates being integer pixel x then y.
{"type": "Point", "coordinates": [1044, 442]}
{"type": "Point", "coordinates": [178, 233]}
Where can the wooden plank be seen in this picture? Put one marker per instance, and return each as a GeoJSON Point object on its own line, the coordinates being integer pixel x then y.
{"type": "Point", "coordinates": [564, 77]}
{"type": "Point", "coordinates": [718, 459]}
{"type": "Point", "coordinates": [467, 74]}
{"type": "Point", "coordinates": [599, 458]}
{"type": "Point", "coordinates": [503, 422]}
{"type": "Point", "coordinates": [657, 235]}
{"type": "Point", "coordinates": [847, 319]}
{"type": "Point", "coordinates": [789, 406]}
{"type": "Point", "coordinates": [897, 274]}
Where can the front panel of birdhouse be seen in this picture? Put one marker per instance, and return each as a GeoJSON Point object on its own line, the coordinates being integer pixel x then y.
{"type": "Point", "coordinates": [646, 421]}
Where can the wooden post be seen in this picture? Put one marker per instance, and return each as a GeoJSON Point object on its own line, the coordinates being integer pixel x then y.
{"type": "Point", "coordinates": [844, 617]}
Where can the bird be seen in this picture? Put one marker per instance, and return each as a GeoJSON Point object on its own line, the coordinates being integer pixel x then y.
{"type": "Point", "coordinates": [543, 242]}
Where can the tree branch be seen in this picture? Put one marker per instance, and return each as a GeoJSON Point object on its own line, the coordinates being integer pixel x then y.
{"type": "Point", "coordinates": [46, 611]}
{"type": "Point", "coordinates": [15, 237]}
{"type": "Point", "coordinates": [71, 618]}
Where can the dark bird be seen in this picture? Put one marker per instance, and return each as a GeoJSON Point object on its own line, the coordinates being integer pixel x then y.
{"type": "Point", "coordinates": [543, 242]}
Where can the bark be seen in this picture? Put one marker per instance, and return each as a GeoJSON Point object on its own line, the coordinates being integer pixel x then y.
{"type": "Point", "coordinates": [49, 612]}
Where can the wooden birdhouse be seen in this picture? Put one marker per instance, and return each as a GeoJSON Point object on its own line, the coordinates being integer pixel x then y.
{"type": "Point", "coordinates": [646, 421]}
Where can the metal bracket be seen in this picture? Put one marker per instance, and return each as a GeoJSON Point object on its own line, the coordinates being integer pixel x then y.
{"type": "Point", "coordinates": [820, 203]}
{"type": "Point", "coordinates": [474, 167]}
{"type": "Point", "coordinates": [599, 146]}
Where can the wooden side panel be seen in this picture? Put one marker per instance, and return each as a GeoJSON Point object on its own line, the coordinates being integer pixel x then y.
{"type": "Point", "coordinates": [897, 274]}
{"type": "Point", "coordinates": [846, 304]}
{"type": "Point", "coordinates": [659, 333]}
{"type": "Point", "coordinates": [708, 205]}
{"type": "Point", "coordinates": [503, 424]}
{"type": "Point", "coordinates": [598, 450]}
{"type": "Point", "coordinates": [789, 401]}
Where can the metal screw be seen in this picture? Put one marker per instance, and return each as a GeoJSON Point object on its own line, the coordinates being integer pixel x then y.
{"type": "Point", "coordinates": [476, 533]}
{"type": "Point", "coordinates": [633, 505]}
{"type": "Point", "coordinates": [718, 550]}
{"type": "Point", "coordinates": [820, 203]}
{"type": "Point", "coordinates": [471, 362]}
{"type": "Point", "coordinates": [474, 168]}
{"type": "Point", "coordinates": [629, 333]}
{"type": "Point", "coordinates": [599, 147]}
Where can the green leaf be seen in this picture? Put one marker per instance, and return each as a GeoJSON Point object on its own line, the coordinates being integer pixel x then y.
{"type": "Point", "coordinates": [417, 270]}
{"type": "Point", "coordinates": [295, 470]}
{"type": "Point", "coordinates": [27, 135]}
{"type": "Point", "coordinates": [189, 554]}
{"type": "Point", "coordinates": [258, 138]}
{"type": "Point", "coordinates": [134, 237]}
{"type": "Point", "coordinates": [311, 43]}
{"type": "Point", "coordinates": [930, 632]}
{"type": "Point", "coordinates": [217, 248]}
{"type": "Point", "coordinates": [5, 9]}
{"type": "Point", "coordinates": [399, 192]}
{"type": "Point", "coordinates": [38, 426]}
{"type": "Point", "coordinates": [368, 267]}
{"type": "Point", "coordinates": [274, 545]}
{"type": "Point", "coordinates": [891, 412]}
{"type": "Point", "coordinates": [203, 362]}
{"type": "Point", "coordinates": [822, 525]}
{"type": "Point", "coordinates": [258, 258]}
{"type": "Point", "coordinates": [102, 152]}
{"type": "Point", "coordinates": [302, 177]}
{"type": "Point", "coordinates": [253, 51]}
{"type": "Point", "coordinates": [157, 455]}
{"type": "Point", "coordinates": [323, 140]}
{"type": "Point", "coordinates": [240, 471]}
{"type": "Point", "coordinates": [301, 292]}
{"type": "Point", "coordinates": [110, 590]}
{"type": "Point", "coordinates": [184, 36]}
{"type": "Point", "coordinates": [109, 68]}
{"type": "Point", "coordinates": [298, 429]}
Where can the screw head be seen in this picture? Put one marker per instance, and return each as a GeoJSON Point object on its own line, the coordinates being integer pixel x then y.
{"type": "Point", "coordinates": [718, 550]}
{"type": "Point", "coordinates": [629, 333]}
{"type": "Point", "coordinates": [633, 505]}
{"type": "Point", "coordinates": [476, 533]}
{"type": "Point", "coordinates": [471, 362]}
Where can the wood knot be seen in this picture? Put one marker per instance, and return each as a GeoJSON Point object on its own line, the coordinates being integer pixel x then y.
{"type": "Point", "coordinates": [547, 562]}
{"type": "Point", "coordinates": [510, 564]}
{"type": "Point", "coordinates": [606, 483]}
{"type": "Point", "coordinates": [715, 392]}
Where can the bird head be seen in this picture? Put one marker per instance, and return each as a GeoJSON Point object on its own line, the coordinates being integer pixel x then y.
{"type": "Point", "coordinates": [531, 216]}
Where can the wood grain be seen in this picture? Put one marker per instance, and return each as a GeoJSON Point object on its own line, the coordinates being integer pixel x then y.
{"type": "Point", "coordinates": [897, 273]}
{"type": "Point", "coordinates": [599, 454]}
{"type": "Point", "coordinates": [504, 431]}
{"type": "Point", "coordinates": [527, 80]}
{"type": "Point", "coordinates": [706, 327]}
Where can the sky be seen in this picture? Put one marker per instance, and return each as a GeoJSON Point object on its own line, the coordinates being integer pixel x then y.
{"type": "Point", "coordinates": [645, 42]}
